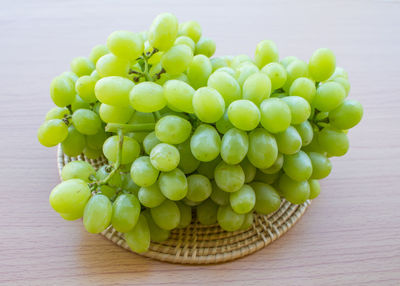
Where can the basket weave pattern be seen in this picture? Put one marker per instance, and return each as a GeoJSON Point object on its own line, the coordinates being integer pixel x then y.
{"type": "Point", "coordinates": [200, 244]}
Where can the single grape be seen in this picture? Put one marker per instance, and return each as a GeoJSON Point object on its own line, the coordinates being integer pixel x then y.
{"type": "Point", "coordinates": [321, 165]}
{"type": "Point", "coordinates": [293, 191]}
{"type": "Point", "coordinates": [268, 199]}
{"type": "Point", "coordinates": [228, 219]}
{"type": "Point", "coordinates": [344, 82]}
{"type": "Point", "coordinates": [192, 29]}
{"type": "Point", "coordinates": [177, 59]}
{"type": "Point", "coordinates": [173, 184]}
{"type": "Point", "coordinates": [248, 169]}
{"type": "Point", "coordinates": [125, 44]}
{"type": "Point", "coordinates": [230, 178]}
{"type": "Point", "coordinates": [52, 132]}
{"type": "Point", "coordinates": [329, 96]}
{"type": "Point", "coordinates": [303, 87]}
{"type": "Point", "coordinates": [114, 90]}
{"type": "Point", "coordinates": [86, 121]}
{"type": "Point", "coordinates": [173, 129]}
{"type": "Point", "coordinates": [208, 104]}
{"type": "Point", "coordinates": [157, 234]}
{"type": "Point", "coordinates": [82, 66]}
{"type": "Point", "coordinates": [276, 73]}
{"type": "Point", "coordinates": [226, 85]}
{"type": "Point", "coordinates": [150, 141]}
{"type": "Point", "coordinates": [322, 64]}
{"type": "Point", "coordinates": [147, 97]}
{"type": "Point", "coordinates": [234, 146]}
{"type": "Point", "coordinates": [187, 163]}
{"type": "Point", "coordinates": [263, 149]}
{"type": "Point", "coordinates": [97, 52]}
{"type": "Point", "coordinates": [84, 86]}
{"type": "Point", "coordinates": [151, 196]}
{"type": "Point", "coordinates": [164, 157]}
{"type": "Point", "coordinates": [92, 153]}
{"type": "Point", "coordinates": [266, 52]}
{"type": "Point", "coordinates": [347, 115]}
{"type": "Point", "coordinates": [62, 91]}
{"type": "Point", "coordinates": [115, 114]}
{"type": "Point", "coordinates": [77, 170]}
{"type": "Point", "coordinates": [163, 31]}
{"type": "Point", "coordinates": [257, 87]}
{"type": "Point", "coordinates": [333, 141]}
{"type": "Point", "coordinates": [199, 188]}
{"type": "Point", "coordinates": [72, 76]}
{"type": "Point", "coordinates": [125, 212]}
{"type": "Point", "coordinates": [315, 189]}
{"type": "Point", "coordinates": [294, 70]}
{"type": "Point", "coordinates": [228, 70]}
{"type": "Point", "coordinates": [205, 143]}
{"type": "Point", "coordinates": [240, 59]}
{"type": "Point", "coordinates": [305, 131]}
{"type": "Point", "coordinates": [205, 46]}
{"type": "Point", "coordinates": [179, 95]}
{"type": "Point", "coordinates": [266, 178]}
{"type": "Point", "coordinates": [143, 173]}
{"type": "Point", "coordinates": [244, 114]}
{"type": "Point", "coordinates": [207, 212]}
{"type": "Point", "coordinates": [198, 71]}
{"type": "Point", "coordinates": [243, 200]}
{"type": "Point", "coordinates": [298, 166]}
{"type": "Point", "coordinates": [300, 109]}
{"type": "Point", "coordinates": [185, 40]}
{"type": "Point", "coordinates": [218, 63]}
{"type": "Point", "coordinates": [57, 113]}
{"type": "Point", "coordinates": [219, 196]}
{"type": "Point", "coordinates": [275, 115]}
{"type": "Point", "coordinates": [166, 215]}
{"type": "Point", "coordinates": [288, 141]}
{"type": "Point", "coordinates": [130, 149]}
{"type": "Point", "coordinates": [138, 239]}
{"type": "Point", "coordinates": [111, 65]}
{"type": "Point", "coordinates": [74, 144]}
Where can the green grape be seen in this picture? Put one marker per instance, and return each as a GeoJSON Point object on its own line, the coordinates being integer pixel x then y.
{"type": "Point", "coordinates": [95, 75]}
{"type": "Point", "coordinates": [52, 132]}
{"type": "Point", "coordinates": [287, 60]}
{"type": "Point", "coordinates": [207, 168]}
{"type": "Point", "coordinates": [329, 96]}
{"type": "Point", "coordinates": [208, 104]}
{"type": "Point", "coordinates": [228, 219]}
{"type": "Point", "coordinates": [179, 95]}
{"type": "Point", "coordinates": [244, 114]}
{"type": "Point", "coordinates": [164, 157]}
{"type": "Point", "coordinates": [142, 117]}
{"type": "Point", "coordinates": [335, 142]}
{"type": "Point", "coordinates": [115, 114]}
{"type": "Point", "coordinates": [234, 146]}
{"type": "Point", "coordinates": [125, 44]}
{"type": "Point", "coordinates": [207, 212]}
{"type": "Point", "coordinates": [114, 90]}
{"type": "Point", "coordinates": [92, 153]}
{"type": "Point", "coordinates": [294, 70]}
{"type": "Point", "coordinates": [187, 163]}
{"type": "Point", "coordinates": [314, 146]}
{"type": "Point", "coordinates": [97, 52]}
{"type": "Point", "coordinates": [67, 216]}
{"type": "Point", "coordinates": [339, 72]}
{"type": "Point", "coordinates": [173, 184]}
{"type": "Point", "coordinates": [143, 173]}
{"type": "Point", "coordinates": [248, 169]}
{"type": "Point", "coordinates": [205, 143]}
{"type": "Point", "coordinates": [74, 144]}
{"type": "Point", "coordinates": [300, 109]}
{"type": "Point", "coordinates": [185, 40]}
{"type": "Point", "coordinates": [275, 115]}
{"type": "Point", "coordinates": [177, 59]}
{"type": "Point", "coordinates": [103, 172]}
{"type": "Point", "coordinates": [138, 239]}
{"type": "Point", "coordinates": [138, 136]}
{"type": "Point", "coordinates": [245, 70]}
{"type": "Point", "coordinates": [185, 215]}
{"type": "Point", "coordinates": [147, 97]}
{"type": "Point", "coordinates": [128, 184]}
{"type": "Point", "coordinates": [218, 196]}
{"type": "Point", "coordinates": [96, 107]}
{"type": "Point", "coordinates": [198, 71]}
{"type": "Point", "coordinates": [110, 65]}
{"type": "Point", "coordinates": [150, 141]}
{"type": "Point", "coordinates": [62, 91]}
{"type": "Point", "coordinates": [266, 52]}
{"type": "Point", "coordinates": [173, 129]}
{"type": "Point", "coordinates": [77, 170]}
{"type": "Point", "coordinates": [218, 63]}
{"type": "Point", "coordinates": [263, 149]}
{"type": "Point", "coordinates": [227, 70]}
{"type": "Point", "coordinates": [248, 221]}
{"type": "Point", "coordinates": [151, 196]}
{"type": "Point", "coordinates": [303, 87]}
{"type": "Point", "coordinates": [70, 197]}
{"type": "Point", "coordinates": [344, 82]}
{"type": "Point", "coordinates": [226, 85]}
{"type": "Point", "coordinates": [84, 86]}
{"type": "Point", "coordinates": [72, 76]}
{"type": "Point", "coordinates": [305, 131]}
{"type": "Point", "coordinates": [315, 189]}
{"type": "Point", "coordinates": [266, 178]}
{"type": "Point", "coordinates": [79, 103]}
{"type": "Point", "coordinates": [257, 87]}
{"type": "Point", "coordinates": [82, 66]}
{"type": "Point", "coordinates": [240, 59]}
{"type": "Point", "coordinates": [223, 124]}
{"type": "Point", "coordinates": [163, 31]}
{"type": "Point", "coordinates": [86, 121]}
{"type": "Point", "coordinates": [96, 141]}
{"type": "Point", "coordinates": [130, 149]}
{"type": "Point", "coordinates": [189, 203]}
{"type": "Point", "coordinates": [192, 29]}
{"type": "Point", "coordinates": [108, 191]}
{"type": "Point", "coordinates": [205, 46]}
{"type": "Point", "coordinates": [243, 200]}
{"type": "Point", "coordinates": [288, 141]}
{"type": "Point", "coordinates": [125, 212]}
{"type": "Point", "coordinates": [57, 113]}
{"type": "Point", "coordinates": [199, 188]}
{"type": "Point", "coordinates": [322, 64]}
{"type": "Point", "coordinates": [293, 191]}
{"type": "Point", "coordinates": [167, 215]}
{"type": "Point", "coordinates": [298, 166]}
{"type": "Point", "coordinates": [276, 167]}
{"type": "Point", "coordinates": [268, 199]}
{"type": "Point", "coordinates": [276, 73]}
{"type": "Point", "coordinates": [157, 234]}
{"type": "Point", "coordinates": [347, 115]}
{"type": "Point", "coordinates": [229, 178]}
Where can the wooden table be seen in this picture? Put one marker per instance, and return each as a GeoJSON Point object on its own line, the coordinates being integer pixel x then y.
{"type": "Point", "coordinates": [349, 236]}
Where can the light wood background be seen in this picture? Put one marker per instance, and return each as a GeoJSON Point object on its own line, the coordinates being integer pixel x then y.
{"type": "Point", "coordinates": [349, 236]}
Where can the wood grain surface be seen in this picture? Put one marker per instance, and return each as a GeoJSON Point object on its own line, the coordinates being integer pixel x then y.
{"type": "Point", "coordinates": [349, 236]}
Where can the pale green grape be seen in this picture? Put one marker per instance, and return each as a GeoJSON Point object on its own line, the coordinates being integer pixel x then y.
{"type": "Point", "coordinates": [163, 31]}
{"type": "Point", "coordinates": [150, 141]}
{"type": "Point", "coordinates": [67, 216]}
{"type": "Point", "coordinates": [72, 76]}
{"type": "Point", "coordinates": [245, 70]}
{"type": "Point", "coordinates": [293, 191]}
{"type": "Point", "coordinates": [322, 64]}
{"type": "Point", "coordinates": [97, 214]}
{"type": "Point", "coordinates": [108, 191]}
{"type": "Point", "coordinates": [208, 104]}
{"type": "Point", "coordinates": [248, 169]}
{"type": "Point", "coordinates": [339, 72]}
{"type": "Point", "coordinates": [288, 141]}
{"type": "Point", "coordinates": [335, 142]}
{"type": "Point", "coordinates": [305, 131]}
{"type": "Point", "coordinates": [207, 168]}
{"type": "Point", "coordinates": [226, 85]}
{"type": "Point", "coordinates": [230, 178]}
{"type": "Point", "coordinates": [130, 149]}
{"type": "Point", "coordinates": [228, 219]}
{"type": "Point", "coordinates": [219, 196]}
{"type": "Point", "coordinates": [266, 178]}
{"type": "Point", "coordinates": [96, 141]}
{"type": "Point", "coordinates": [244, 114]}
{"type": "Point", "coordinates": [223, 124]}
{"type": "Point", "coordinates": [243, 200]}
{"type": "Point", "coordinates": [248, 221]}
{"type": "Point", "coordinates": [185, 40]}
{"type": "Point", "coordinates": [86, 121]}
{"type": "Point", "coordinates": [77, 170]}
{"type": "Point", "coordinates": [114, 181]}
{"type": "Point", "coordinates": [263, 149]}
{"type": "Point", "coordinates": [276, 167]}
{"type": "Point", "coordinates": [110, 65]}
{"type": "Point", "coordinates": [143, 173]}
{"type": "Point", "coordinates": [95, 75]}
{"type": "Point", "coordinates": [75, 142]}
{"type": "Point", "coordinates": [303, 87]}
{"type": "Point", "coordinates": [97, 52]}
{"type": "Point", "coordinates": [257, 87]}
{"type": "Point", "coordinates": [315, 189]}
{"type": "Point", "coordinates": [164, 157]}
{"type": "Point", "coordinates": [199, 188]}
{"type": "Point", "coordinates": [268, 199]}
{"type": "Point", "coordinates": [198, 71]}
{"type": "Point", "coordinates": [218, 63]}
{"type": "Point", "coordinates": [151, 196]}
{"type": "Point", "coordinates": [228, 70]}
{"type": "Point", "coordinates": [125, 44]}
{"type": "Point", "coordinates": [115, 114]}
{"type": "Point", "coordinates": [114, 90]}
{"type": "Point", "coordinates": [275, 115]}
{"type": "Point", "coordinates": [205, 46]}
{"type": "Point", "coordinates": [207, 212]}
{"type": "Point", "coordinates": [329, 96]}
{"type": "Point", "coordinates": [266, 52]}
{"type": "Point", "coordinates": [166, 215]}
{"type": "Point", "coordinates": [191, 29]}
{"type": "Point", "coordinates": [298, 166]}
{"type": "Point", "coordinates": [314, 145]}
{"type": "Point", "coordinates": [347, 115]}
{"type": "Point", "coordinates": [84, 86]}
{"type": "Point", "coordinates": [173, 184]}
{"type": "Point", "coordinates": [62, 91]}
{"type": "Point", "coordinates": [82, 66]}
{"type": "Point", "coordinates": [157, 234]}
{"type": "Point", "coordinates": [141, 117]}
{"type": "Point", "coordinates": [187, 163]}
{"type": "Point", "coordinates": [147, 97]}
{"type": "Point", "coordinates": [344, 82]}
{"type": "Point", "coordinates": [79, 103]}
{"type": "Point", "coordinates": [276, 73]}
{"type": "Point", "coordinates": [177, 59]}
{"type": "Point", "coordinates": [287, 60]}
{"type": "Point", "coordinates": [234, 146]}
{"type": "Point", "coordinates": [294, 70]}
{"type": "Point", "coordinates": [300, 109]}
{"type": "Point", "coordinates": [57, 113]}
{"type": "Point", "coordinates": [92, 153]}
{"type": "Point", "coordinates": [205, 143]}
{"type": "Point", "coordinates": [138, 239]}
{"type": "Point", "coordinates": [129, 185]}
{"type": "Point", "coordinates": [240, 59]}
{"type": "Point", "coordinates": [125, 212]}
{"type": "Point", "coordinates": [52, 132]}
{"type": "Point", "coordinates": [179, 95]}
{"type": "Point", "coordinates": [173, 129]}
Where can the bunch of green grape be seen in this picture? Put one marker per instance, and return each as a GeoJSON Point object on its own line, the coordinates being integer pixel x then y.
{"type": "Point", "coordinates": [187, 134]}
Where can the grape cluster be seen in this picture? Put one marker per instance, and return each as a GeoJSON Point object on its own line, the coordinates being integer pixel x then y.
{"type": "Point", "coordinates": [187, 133]}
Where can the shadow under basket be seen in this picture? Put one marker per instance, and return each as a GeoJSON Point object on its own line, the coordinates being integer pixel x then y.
{"type": "Point", "coordinates": [201, 244]}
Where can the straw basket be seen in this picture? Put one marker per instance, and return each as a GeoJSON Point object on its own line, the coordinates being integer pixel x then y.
{"type": "Point", "coordinates": [200, 244]}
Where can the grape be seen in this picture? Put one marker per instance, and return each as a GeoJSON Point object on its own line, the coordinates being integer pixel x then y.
{"type": "Point", "coordinates": [128, 185]}
{"type": "Point", "coordinates": [223, 124]}
{"type": "Point", "coordinates": [275, 115]}
{"type": "Point", "coordinates": [344, 83]}
{"type": "Point", "coordinates": [207, 168]}
{"type": "Point", "coordinates": [266, 178]}
{"type": "Point", "coordinates": [314, 146]}
{"type": "Point", "coordinates": [95, 75]}
{"type": "Point", "coordinates": [205, 46]}
{"type": "Point", "coordinates": [226, 85]}
{"type": "Point", "coordinates": [166, 215]}
{"type": "Point", "coordinates": [207, 212]}
{"type": "Point", "coordinates": [52, 132]}
{"type": "Point", "coordinates": [138, 239]}
{"type": "Point", "coordinates": [173, 184]}
{"type": "Point", "coordinates": [110, 65]}
{"type": "Point", "coordinates": [108, 191]}
{"type": "Point", "coordinates": [243, 200]}
{"type": "Point", "coordinates": [97, 52]}
{"type": "Point", "coordinates": [346, 115]}
{"type": "Point", "coordinates": [82, 66]}
{"type": "Point", "coordinates": [294, 70]}
{"type": "Point", "coordinates": [303, 87]}
{"type": "Point", "coordinates": [276, 167]}
{"type": "Point", "coordinates": [157, 234]}
{"type": "Point", "coordinates": [192, 29]}
{"type": "Point", "coordinates": [276, 73]}
{"type": "Point", "coordinates": [84, 86]}
{"type": "Point", "coordinates": [198, 71]}
{"type": "Point", "coordinates": [150, 141]}
{"type": "Point", "coordinates": [322, 64]}
{"type": "Point", "coordinates": [62, 91]}
{"type": "Point", "coordinates": [79, 103]}
{"type": "Point", "coordinates": [70, 216]}
{"type": "Point", "coordinates": [287, 60]}
{"type": "Point", "coordinates": [228, 219]}
{"type": "Point", "coordinates": [57, 113]}
{"type": "Point", "coordinates": [244, 114]}
{"type": "Point", "coordinates": [163, 31]}
{"type": "Point", "coordinates": [151, 196]}
{"type": "Point", "coordinates": [177, 59]}
{"type": "Point", "coordinates": [234, 146]}
{"type": "Point", "coordinates": [187, 163]}
{"type": "Point", "coordinates": [114, 90]}
{"type": "Point", "coordinates": [143, 173]}
{"type": "Point", "coordinates": [147, 97]}
{"type": "Point", "coordinates": [218, 196]}
{"type": "Point", "coordinates": [199, 188]}
{"type": "Point", "coordinates": [300, 109]}
{"type": "Point", "coordinates": [125, 212]}
{"type": "Point", "coordinates": [305, 131]}
{"type": "Point", "coordinates": [115, 114]}
{"type": "Point", "coordinates": [72, 76]}
{"type": "Point", "coordinates": [208, 104]}
{"type": "Point", "coordinates": [293, 191]}
{"type": "Point", "coordinates": [185, 40]}
{"type": "Point", "coordinates": [248, 221]}
{"type": "Point", "coordinates": [298, 166]}
{"type": "Point", "coordinates": [205, 143]}
{"type": "Point", "coordinates": [257, 87]}
{"type": "Point", "coordinates": [315, 189]}
{"type": "Point", "coordinates": [248, 169]}
{"type": "Point", "coordinates": [335, 142]}
{"type": "Point", "coordinates": [268, 199]}
{"type": "Point", "coordinates": [244, 71]}
{"type": "Point", "coordinates": [227, 70]}
{"type": "Point", "coordinates": [164, 157]}
{"type": "Point", "coordinates": [103, 172]}
{"type": "Point", "coordinates": [130, 149]}
{"type": "Point", "coordinates": [173, 129]}
{"type": "Point", "coordinates": [289, 141]}
{"type": "Point", "coordinates": [218, 63]}
{"type": "Point", "coordinates": [329, 96]}
{"type": "Point", "coordinates": [86, 121]}
{"type": "Point", "coordinates": [266, 52]}
{"type": "Point", "coordinates": [141, 117]}
{"type": "Point", "coordinates": [125, 44]}
{"type": "Point", "coordinates": [240, 59]}
{"type": "Point", "coordinates": [70, 197]}
{"type": "Point", "coordinates": [92, 153]}
{"type": "Point", "coordinates": [179, 95]}
{"type": "Point", "coordinates": [263, 149]}
{"type": "Point", "coordinates": [230, 178]}
{"type": "Point", "coordinates": [77, 170]}
{"type": "Point", "coordinates": [96, 141]}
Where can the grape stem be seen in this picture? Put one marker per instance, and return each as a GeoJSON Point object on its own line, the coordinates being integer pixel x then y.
{"type": "Point", "coordinates": [126, 128]}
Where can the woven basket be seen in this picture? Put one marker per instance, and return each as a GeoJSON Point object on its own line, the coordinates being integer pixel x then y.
{"type": "Point", "coordinates": [200, 244]}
